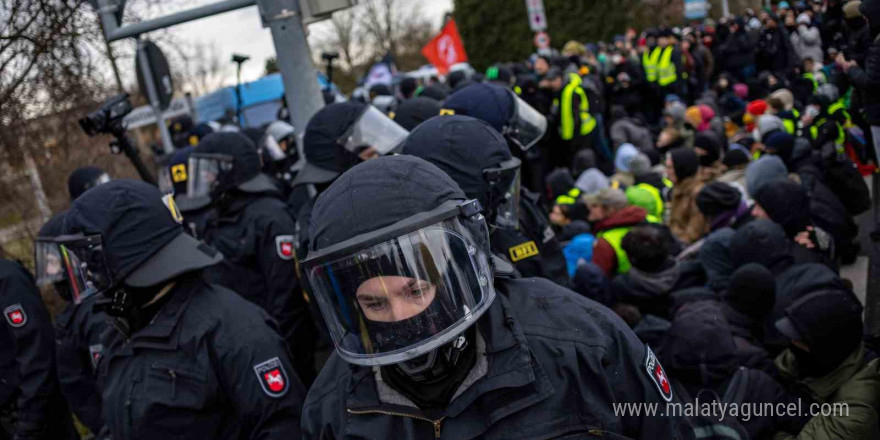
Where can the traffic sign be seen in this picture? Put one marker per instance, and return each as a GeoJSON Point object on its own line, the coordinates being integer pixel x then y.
{"type": "Point", "coordinates": [542, 40]}
{"type": "Point", "coordinates": [537, 19]}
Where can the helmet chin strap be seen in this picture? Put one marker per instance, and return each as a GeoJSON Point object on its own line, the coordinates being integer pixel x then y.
{"type": "Point", "coordinates": [437, 364]}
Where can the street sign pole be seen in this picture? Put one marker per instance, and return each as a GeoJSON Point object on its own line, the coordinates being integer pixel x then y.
{"type": "Point", "coordinates": [301, 87]}
{"type": "Point", "coordinates": [153, 96]}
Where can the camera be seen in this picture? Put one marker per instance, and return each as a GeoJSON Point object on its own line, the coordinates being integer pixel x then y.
{"type": "Point", "coordinates": [108, 118]}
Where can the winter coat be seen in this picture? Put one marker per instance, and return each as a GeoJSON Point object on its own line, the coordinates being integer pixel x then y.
{"type": "Point", "coordinates": [700, 353]}
{"type": "Point", "coordinates": [747, 335]}
{"type": "Point", "coordinates": [736, 52]}
{"type": "Point", "coordinates": [631, 131]}
{"type": "Point", "coordinates": [866, 79]}
{"type": "Point", "coordinates": [650, 291]}
{"type": "Point", "coordinates": [773, 50]}
{"type": "Point", "coordinates": [604, 254]}
{"type": "Point", "coordinates": [737, 178]}
{"type": "Point", "coordinates": [807, 43]}
{"type": "Point", "coordinates": [685, 219]}
{"type": "Point", "coordinates": [855, 382]}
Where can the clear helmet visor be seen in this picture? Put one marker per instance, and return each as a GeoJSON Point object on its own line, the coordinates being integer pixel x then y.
{"type": "Point", "coordinates": [374, 130]}
{"type": "Point", "coordinates": [47, 258]}
{"type": "Point", "coordinates": [84, 266]}
{"type": "Point", "coordinates": [206, 171]}
{"type": "Point", "coordinates": [402, 298]}
{"type": "Point", "coordinates": [527, 126]}
{"type": "Point", "coordinates": [505, 181]}
{"type": "Point", "coordinates": [164, 180]}
{"type": "Point", "coordinates": [273, 149]}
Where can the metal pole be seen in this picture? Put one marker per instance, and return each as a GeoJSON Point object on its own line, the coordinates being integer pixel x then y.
{"type": "Point", "coordinates": [725, 9]}
{"type": "Point", "coordinates": [114, 32]}
{"type": "Point", "coordinates": [301, 87]}
{"type": "Point", "coordinates": [238, 95]}
{"type": "Point", "coordinates": [153, 96]}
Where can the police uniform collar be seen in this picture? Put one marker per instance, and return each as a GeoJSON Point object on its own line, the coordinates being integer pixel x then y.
{"type": "Point", "coordinates": [163, 324]}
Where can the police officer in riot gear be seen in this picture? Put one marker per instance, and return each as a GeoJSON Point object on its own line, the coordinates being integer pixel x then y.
{"type": "Point", "coordinates": [522, 127]}
{"type": "Point", "coordinates": [174, 179]}
{"type": "Point", "coordinates": [31, 406]}
{"type": "Point", "coordinates": [477, 158]}
{"type": "Point", "coordinates": [433, 339]}
{"type": "Point", "coordinates": [187, 358]}
{"type": "Point", "coordinates": [78, 329]}
{"type": "Point", "coordinates": [338, 137]}
{"type": "Point", "coordinates": [252, 228]}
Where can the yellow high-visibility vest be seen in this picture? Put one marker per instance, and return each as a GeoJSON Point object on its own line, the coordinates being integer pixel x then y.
{"type": "Point", "coordinates": [666, 74]}
{"type": "Point", "coordinates": [650, 58]}
{"type": "Point", "coordinates": [566, 116]}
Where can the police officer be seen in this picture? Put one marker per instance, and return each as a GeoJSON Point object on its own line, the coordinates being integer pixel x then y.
{"type": "Point", "coordinates": [478, 159]}
{"type": "Point", "coordinates": [279, 152]}
{"type": "Point", "coordinates": [174, 179]}
{"type": "Point", "coordinates": [252, 228]}
{"type": "Point", "coordinates": [78, 329]}
{"type": "Point", "coordinates": [426, 345]}
{"type": "Point", "coordinates": [338, 137]}
{"type": "Point", "coordinates": [186, 358]}
{"type": "Point", "coordinates": [84, 178]}
{"type": "Point", "coordinates": [31, 406]}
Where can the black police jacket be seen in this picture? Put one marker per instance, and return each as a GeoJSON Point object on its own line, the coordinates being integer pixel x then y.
{"type": "Point", "coordinates": [551, 365]}
{"type": "Point", "coordinates": [28, 381]}
{"type": "Point", "coordinates": [255, 234]}
{"type": "Point", "coordinates": [78, 348]}
{"type": "Point", "coordinates": [209, 365]}
{"type": "Point", "coordinates": [534, 224]}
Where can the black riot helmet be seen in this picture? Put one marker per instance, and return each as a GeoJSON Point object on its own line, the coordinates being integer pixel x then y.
{"type": "Point", "coordinates": [223, 162]}
{"type": "Point", "coordinates": [476, 157]}
{"type": "Point", "coordinates": [342, 135]}
{"type": "Point", "coordinates": [520, 124]}
{"type": "Point", "coordinates": [85, 178]}
{"type": "Point", "coordinates": [399, 263]}
{"type": "Point", "coordinates": [124, 237]}
{"type": "Point", "coordinates": [278, 150]}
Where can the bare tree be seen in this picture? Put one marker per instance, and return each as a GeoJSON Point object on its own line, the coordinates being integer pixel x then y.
{"type": "Point", "coordinates": [201, 68]}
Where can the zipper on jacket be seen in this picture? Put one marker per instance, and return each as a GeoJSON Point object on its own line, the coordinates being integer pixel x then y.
{"type": "Point", "coordinates": [438, 424]}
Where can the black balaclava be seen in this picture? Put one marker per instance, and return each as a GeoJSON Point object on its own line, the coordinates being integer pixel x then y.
{"type": "Point", "coordinates": [830, 323]}
{"type": "Point", "coordinates": [685, 162]}
{"type": "Point", "coordinates": [787, 204]}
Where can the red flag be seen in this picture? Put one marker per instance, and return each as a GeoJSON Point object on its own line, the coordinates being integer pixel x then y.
{"type": "Point", "coordinates": [446, 48]}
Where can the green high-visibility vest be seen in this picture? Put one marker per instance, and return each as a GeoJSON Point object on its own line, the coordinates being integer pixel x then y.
{"type": "Point", "coordinates": [566, 113]}
{"type": "Point", "coordinates": [614, 237]}
{"type": "Point", "coordinates": [666, 68]}
{"type": "Point", "coordinates": [569, 198]}
{"type": "Point", "coordinates": [839, 106]}
{"type": "Point", "coordinates": [650, 58]}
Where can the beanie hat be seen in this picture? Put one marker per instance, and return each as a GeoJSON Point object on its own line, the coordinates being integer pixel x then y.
{"type": "Point", "coordinates": [752, 290]}
{"type": "Point", "coordinates": [757, 107]}
{"type": "Point", "coordinates": [716, 198]}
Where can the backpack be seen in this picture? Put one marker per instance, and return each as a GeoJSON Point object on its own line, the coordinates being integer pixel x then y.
{"type": "Point", "coordinates": [845, 180]}
{"type": "Point", "coordinates": [708, 427]}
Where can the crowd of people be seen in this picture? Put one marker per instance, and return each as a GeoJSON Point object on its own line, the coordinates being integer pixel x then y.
{"type": "Point", "coordinates": [509, 254]}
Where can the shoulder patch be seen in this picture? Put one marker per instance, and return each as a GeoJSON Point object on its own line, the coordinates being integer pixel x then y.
{"type": "Point", "coordinates": [95, 353]}
{"type": "Point", "coordinates": [657, 374]}
{"type": "Point", "coordinates": [446, 112]}
{"type": "Point", "coordinates": [272, 377]}
{"type": "Point", "coordinates": [284, 246]}
{"type": "Point", "coordinates": [15, 315]}
{"type": "Point", "coordinates": [523, 251]}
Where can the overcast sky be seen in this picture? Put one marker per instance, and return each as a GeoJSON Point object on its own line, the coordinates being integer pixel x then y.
{"type": "Point", "coordinates": [241, 32]}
